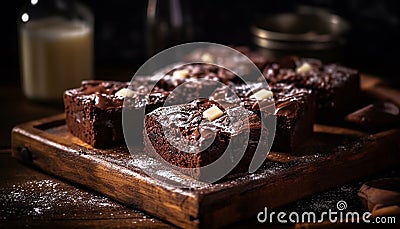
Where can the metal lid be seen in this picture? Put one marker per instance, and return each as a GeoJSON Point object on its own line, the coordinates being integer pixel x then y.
{"type": "Point", "coordinates": [293, 46]}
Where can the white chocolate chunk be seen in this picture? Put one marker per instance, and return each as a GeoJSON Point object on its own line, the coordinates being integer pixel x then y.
{"type": "Point", "coordinates": [212, 113]}
{"type": "Point", "coordinates": [125, 92]}
{"type": "Point", "coordinates": [206, 57]}
{"type": "Point", "coordinates": [262, 94]}
{"type": "Point", "coordinates": [180, 74]}
{"type": "Point", "coordinates": [304, 68]}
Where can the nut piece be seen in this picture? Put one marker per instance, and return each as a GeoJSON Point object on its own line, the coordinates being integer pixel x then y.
{"type": "Point", "coordinates": [304, 68]}
{"type": "Point", "coordinates": [262, 94]}
{"type": "Point", "coordinates": [125, 92]}
{"type": "Point", "coordinates": [212, 113]}
{"type": "Point", "coordinates": [180, 74]}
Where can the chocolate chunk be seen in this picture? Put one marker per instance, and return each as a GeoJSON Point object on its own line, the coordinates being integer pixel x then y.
{"type": "Point", "coordinates": [380, 193]}
{"type": "Point", "coordinates": [375, 117]}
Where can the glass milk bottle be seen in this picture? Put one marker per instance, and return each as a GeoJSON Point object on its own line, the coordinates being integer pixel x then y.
{"type": "Point", "coordinates": [56, 47]}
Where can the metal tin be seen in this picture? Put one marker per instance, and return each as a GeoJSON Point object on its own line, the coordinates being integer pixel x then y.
{"type": "Point", "coordinates": [310, 32]}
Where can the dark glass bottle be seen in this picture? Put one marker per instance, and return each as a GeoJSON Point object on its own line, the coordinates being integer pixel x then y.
{"type": "Point", "coordinates": [167, 24]}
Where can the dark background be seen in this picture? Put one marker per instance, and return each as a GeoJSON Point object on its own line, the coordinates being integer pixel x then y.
{"type": "Point", "coordinates": [373, 44]}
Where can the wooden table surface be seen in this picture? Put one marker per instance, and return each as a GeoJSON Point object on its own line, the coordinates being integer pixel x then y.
{"type": "Point", "coordinates": [32, 198]}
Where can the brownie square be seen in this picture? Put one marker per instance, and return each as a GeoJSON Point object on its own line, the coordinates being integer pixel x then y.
{"type": "Point", "coordinates": [184, 138]}
{"type": "Point", "coordinates": [230, 59]}
{"type": "Point", "coordinates": [94, 111]}
{"type": "Point", "coordinates": [336, 87]}
{"type": "Point", "coordinates": [294, 111]}
{"type": "Point", "coordinates": [192, 73]}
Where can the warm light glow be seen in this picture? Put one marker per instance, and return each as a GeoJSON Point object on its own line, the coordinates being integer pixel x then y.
{"type": "Point", "coordinates": [34, 2]}
{"type": "Point", "coordinates": [25, 17]}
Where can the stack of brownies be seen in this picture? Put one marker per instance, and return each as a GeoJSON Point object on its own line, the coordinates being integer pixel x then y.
{"type": "Point", "coordinates": [192, 134]}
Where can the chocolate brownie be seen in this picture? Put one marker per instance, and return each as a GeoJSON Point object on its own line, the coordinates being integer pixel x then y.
{"type": "Point", "coordinates": [94, 110]}
{"type": "Point", "coordinates": [231, 59]}
{"type": "Point", "coordinates": [191, 81]}
{"type": "Point", "coordinates": [184, 136]}
{"type": "Point", "coordinates": [336, 87]}
{"type": "Point", "coordinates": [294, 110]}
{"type": "Point", "coordinates": [194, 73]}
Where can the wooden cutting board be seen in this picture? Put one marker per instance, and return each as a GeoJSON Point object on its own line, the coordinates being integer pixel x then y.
{"type": "Point", "coordinates": [333, 156]}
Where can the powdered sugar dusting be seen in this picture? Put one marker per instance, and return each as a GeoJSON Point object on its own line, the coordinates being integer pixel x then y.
{"type": "Point", "coordinates": [54, 200]}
